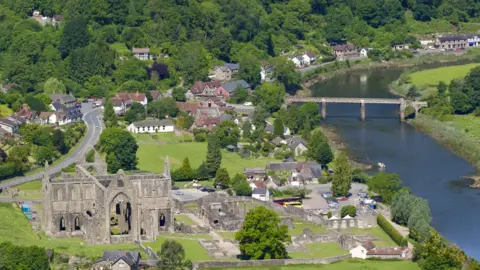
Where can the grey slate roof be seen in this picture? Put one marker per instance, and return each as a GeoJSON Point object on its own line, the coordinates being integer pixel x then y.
{"type": "Point", "coordinates": [277, 141]}
{"type": "Point", "coordinates": [62, 98]}
{"type": "Point", "coordinates": [226, 117]}
{"type": "Point", "coordinates": [452, 38]}
{"type": "Point", "coordinates": [232, 86]}
{"type": "Point", "coordinates": [130, 257]}
{"type": "Point", "coordinates": [293, 142]}
{"type": "Point", "coordinates": [260, 191]}
{"type": "Point", "coordinates": [281, 166]}
{"type": "Point", "coordinates": [153, 123]}
{"type": "Point", "coordinates": [57, 106]}
{"type": "Point", "coordinates": [232, 66]}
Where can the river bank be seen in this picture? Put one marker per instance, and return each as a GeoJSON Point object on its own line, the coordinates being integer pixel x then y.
{"type": "Point", "coordinates": [327, 72]}
{"type": "Point", "coordinates": [457, 140]}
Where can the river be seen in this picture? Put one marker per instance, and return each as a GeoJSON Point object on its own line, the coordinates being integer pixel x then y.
{"type": "Point", "coordinates": [426, 167]}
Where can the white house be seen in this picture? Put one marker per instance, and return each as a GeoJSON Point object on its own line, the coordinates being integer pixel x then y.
{"type": "Point", "coordinates": [141, 53]}
{"type": "Point", "coordinates": [369, 250]}
{"type": "Point", "coordinates": [308, 58]}
{"type": "Point", "coordinates": [9, 125]}
{"type": "Point", "coordinates": [364, 52]}
{"type": "Point", "coordinates": [47, 118]}
{"type": "Point", "coordinates": [152, 126]}
{"type": "Point", "coordinates": [297, 61]}
{"type": "Point", "coordinates": [261, 194]}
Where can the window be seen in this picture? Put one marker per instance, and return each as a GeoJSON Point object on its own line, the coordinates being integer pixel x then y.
{"type": "Point", "coordinates": [121, 264]}
{"type": "Point", "coordinates": [163, 127]}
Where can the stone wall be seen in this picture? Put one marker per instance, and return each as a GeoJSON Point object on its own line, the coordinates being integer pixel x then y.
{"type": "Point", "coordinates": [263, 263]}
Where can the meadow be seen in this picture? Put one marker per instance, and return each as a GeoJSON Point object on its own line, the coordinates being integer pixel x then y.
{"type": "Point", "coordinates": [152, 157]}
{"type": "Point", "coordinates": [432, 77]}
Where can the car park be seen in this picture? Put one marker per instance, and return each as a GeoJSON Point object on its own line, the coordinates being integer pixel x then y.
{"type": "Point", "coordinates": [175, 188]}
{"type": "Point", "coordinates": [178, 193]}
{"type": "Point", "coordinates": [327, 195]}
{"type": "Point", "coordinates": [342, 198]}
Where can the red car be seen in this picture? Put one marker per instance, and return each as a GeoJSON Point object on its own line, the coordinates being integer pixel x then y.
{"type": "Point", "coordinates": [342, 199]}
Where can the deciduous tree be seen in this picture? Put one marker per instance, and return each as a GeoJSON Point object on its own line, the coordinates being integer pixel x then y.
{"type": "Point", "coordinates": [109, 116]}
{"type": "Point", "coordinates": [222, 178]}
{"type": "Point", "coordinates": [262, 236]}
{"type": "Point", "coordinates": [122, 144]}
{"type": "Point", "coordinates": [342, 178]}
{"type": "Point", "coordinates": [227, 133]}
{"type": "Point", "coordinates": [172, 256]}
{"type": "Point", "coordinates": [385, 184]}
{"type": "Point", "coordinates": [136, 113]}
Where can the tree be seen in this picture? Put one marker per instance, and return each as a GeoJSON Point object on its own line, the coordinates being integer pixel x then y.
{"type": "Point", "coordinates": [385, 184]}
{"type": "Point", "coordinates": [222, 178]}
{"type": "Point", "coordinates": [5, 111]}
{"type": "Point", "coordinates": [413, 92]}
{"type": "Point", "coordinates": [349, 210]}
{"type": "Point", "coordinates": [75, 35]}
{"type": "Point", "coordinates": [309, 115]}
{"type": "Point", "coordinates": [172, 256]}
{"type": "Point", "coordinates": [44, 154]}
{"type": "Point", "coordinates": [286, 74]}
{"type": "Point", "coordinates": [243, 189]}
{"type": "Point", "coordinates": [214, 156]}
{"type": "Point", "coordinates": [247, 129]}
{"type": "Point", "coordinates": [192, 62]}
{"type": "Point", "coordinates": [278, 128]}
{"type": "Point", "coordinates": [113, 164]}
{"type": "Point", "coordinates": [123, 145]}
{"type": "Point", "coordinates": [262, 236]}
{"type": "Point", "coordinates": [250, 70]}
{"type": "Point", "coordinates": [54, 86]}
{"type": "Point", "coordinates": [202, 172]}
{"type": "Point", "coordinates": [259, 117]}
{"type": "Point", "coordinates": [58, 140]}
{"type": "Point", "coordinates": [135, 113]}
{"type": "Point", "coordinates": [23, 257]}
{"type": "Point", "coordinates": [270, 96]}
{"type": "Point", "coordinates": [402, 205]}
{"type": "Point", "coordinates": [163, 108]}
{"type": "Point", "coordinates": [185, 172]}
{"type": "Point", "coordinates": [227, 133]}
{"type": "Point", "coordinates": [178, 93]}
{"type": "Point", "coordinates": [420, 220]}
{"type": "Point", "coordinates": [342, 178]}
{"type": "Point", "coordinates": [241, 95]}
{"type": "Point", "coordinates": [109, 116]}
{"type": "Point", "coordinates": [319, 148]}
{"type": "Point", "coordinates": [3, 156]}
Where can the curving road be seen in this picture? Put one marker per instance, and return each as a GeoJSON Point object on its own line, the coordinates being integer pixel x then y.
{"type": "Point", "coordinates": [95, 127]}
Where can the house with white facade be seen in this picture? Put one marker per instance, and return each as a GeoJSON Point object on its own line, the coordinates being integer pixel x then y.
{"type": "Point", "coordinates": [308, 58]}
{"type": "Point", "coordinates": [369, 250]}
{"type": "Point", "coordinates": [261, 194]}
{"type": "Point", "coordinates": [141, 53]}
{"type": "Point", "coordinates": [363, 52]}
{"type": "Point", "coordinates": [9, 125]}
{"type": "Point", "coordinates": [152, 126]}
{"type": "Point", "coordinates": [297, 60]}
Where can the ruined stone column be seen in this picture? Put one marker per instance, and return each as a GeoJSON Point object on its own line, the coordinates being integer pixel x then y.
{"type": "Point", "coordinates": [324, 109]}
{"type": "Point", "coordinates": [362, 110]}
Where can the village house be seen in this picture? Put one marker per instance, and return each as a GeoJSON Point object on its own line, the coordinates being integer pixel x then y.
{"type": "Point", "coordinates": [156, 95]}
{"type": "Point", "coordinates": [266, 71]}
{"type": "Point", "coordinates": [119, 106]}
{"type": "Point", "coordinates": [224, 73]}
{"type": "Point", "coordinates": [270, 129]}
{"type": "Point", "coordinates": [190, 108]}
{"type": "Point", "coordinates": [6, 87]}
{"type": "Point", "coordinates": [231, 87]}
{"type": "Point", "coordinates": [8, 125]}
{"type": "Point", "coordinates": [308, 58]}
{"type": "Point", "coordinates": [452, 42]}
{"type": "Point", "coordinates": [297, 145]}
{"type": "Point", "coordinates": [64, 100]}
{"type": "Point", "coordinates": [47, 118]}
{"type": "Point", "coordinates": [57, 19]}
{"type": "Point", "coordinates": [203, 121]}
{"type": "Point", "coordinates": [297, 60]}
{"type": "Point", "coordinates": [299, 173]}
{"type": "Point", "coordinates": [212, 102]}
{"type": "Point", "coordinates": [473, 40]}
{"type": "Point", "coordinates": [261, 194]}
{"type": "Point", "coordinates": [29, 115]}
{"type": "Point", "coordinates": [254, 174]}
{"type": "Point", "coordinates": [363, 52]}
{"type": "Point", "coordinates": [122, 101]}
{"type": "Point", "coordinates": [61, 117]}
{"type": "Point", "coordinates": [118, 260]}
{"type": "Point", "coordinates": [345, 51]}
{"type": "Point", "coordinates": [368, 250]}
{"type": "Point", "coordinates": [141, 53]}
{"type": "Point", "coordinates": [201, 89]}
{"type": "Point", "coordinates": [152, 126]}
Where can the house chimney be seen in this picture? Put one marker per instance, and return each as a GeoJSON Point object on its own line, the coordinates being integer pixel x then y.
{"type": "Point", "coordinates": [136, 93]}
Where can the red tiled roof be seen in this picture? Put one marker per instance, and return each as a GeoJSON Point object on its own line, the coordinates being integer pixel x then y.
{"type": "Point", "coordinates": [259, 184]}
{"type": "Point", "coordinates": [155, 94]}
{"type": "Point", "coordinates": [45, 115]}
{"type": "Point", "coordinates": [116, 101]}
{"type": "Point", "coordinates": [204, 120]}
{"type": "Point", "coordinates": [368, 245]}
{"type": "Point", "coordinates": [188, 107]}
{"type": "Point", "coordinates": [138, 97]}
{"type": "Point", "coordinates": [198, 86]}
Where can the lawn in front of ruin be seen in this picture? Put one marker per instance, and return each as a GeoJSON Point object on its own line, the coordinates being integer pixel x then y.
{"type": "Point", "coordinates": [15, 228]}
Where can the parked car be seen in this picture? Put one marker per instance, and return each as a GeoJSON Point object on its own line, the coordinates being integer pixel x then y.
{"type": "Point", "coordinates": [204, 189]}
{"type": "Point", "coordinates": [175, 188]}
{"type": "Point", "coordinates": [327, 195]}
{"type": "Point", "coordinates": [178, 193]}
{"type": "Point", "coordinates": [342, 198]}
{"type": "Point", "coordinates": [377, 198]}
{"type": "Point", "coordinates": [210, 190]}
{"type": "Point", "coordinates": [199, 187]}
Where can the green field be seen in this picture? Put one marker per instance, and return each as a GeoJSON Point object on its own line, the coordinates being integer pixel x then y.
{"type": "Point", "coordinates": [469, 124]}
{"type": "Point", "coordinates": [385, 241]}
{"type": "Point", "coordinates": [351, 264]}
{"type": "Point", "coordinates": [120, 48]}
{"type": "Point", "coordinates": [432, 77]}
{"type": "Point", "coordinates": [193, 250]}
{"type": "Point", "coordinates": [184, 219]}
{"type": "Point", "coordinates": [300, 225]}
{"type": "Point", "coordinates": [16, 229]}
{"type": "Point", "coordinates": [161, 137]}
{"type": "Point", "coordinates": [151, 157]}
{"type": "Point", "coordinates": [319, 250]}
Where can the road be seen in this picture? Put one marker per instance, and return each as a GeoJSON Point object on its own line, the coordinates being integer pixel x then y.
{"type": "Point", "coordinates": [91, 118]}
{"type": "Point", "coordinates": [419, 52]}
{"type": "Point", "coordinates": [188, 194]}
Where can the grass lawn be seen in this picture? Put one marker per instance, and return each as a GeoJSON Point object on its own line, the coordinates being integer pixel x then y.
{"type": "Point", "coordinates": [302, 224]}
{"type": "Point", "coordinates": [120, 48]}
{"type": "Point", "coordinates": [319, 250]}
{"type": "Point", "coordinates": [34, 185]}
{"type": "Point", "coordinates": [227, 235]}
{"type": "Point", "coordinates": [185, 220]}
{"type": "Point", "coordinates": [188, 184]}
{"type": "Point", "coordinates": [432, 77]}
{"type": "Point", "coordinates": [161, 137]}
{"type": "Point", "coordinates": [385, 241]}
{"type": "Point", "coordinates": [185, 236]}
{"type": "Point", "coordinates": [28, 191]}
{"type": "Point", "coordinates": [470, 124]}
{"type": "Point", "coordinates": [193, 250]}
{"type": "Point", "coordinates": [151, 157]}
{"type": "Point", "coordinates": [352, 264]}
{"type": "Point", "coordinates": [15, 228]}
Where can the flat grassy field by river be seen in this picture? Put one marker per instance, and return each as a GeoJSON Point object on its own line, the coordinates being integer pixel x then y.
{"type": "Point", "coordinates": [432, 77]}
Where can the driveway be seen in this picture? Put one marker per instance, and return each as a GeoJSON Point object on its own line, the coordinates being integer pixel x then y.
{"type": "Point", "coordinates": [95, 127]}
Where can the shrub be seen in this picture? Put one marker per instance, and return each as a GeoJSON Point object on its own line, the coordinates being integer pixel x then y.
{"type": "Point", "coordinates": [201, 137]}
{"type": "Point", "coordinates": [349, 210]}
{"type": "Point", "coordinates": [391, 231]}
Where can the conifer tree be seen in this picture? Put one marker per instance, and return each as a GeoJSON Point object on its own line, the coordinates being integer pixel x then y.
{"type": "Point", "coordinates": [109, 115]}
{"type": "Point", "coordinates": [342, 178]}
{"type": "Point", "coordinates": [214, 156]}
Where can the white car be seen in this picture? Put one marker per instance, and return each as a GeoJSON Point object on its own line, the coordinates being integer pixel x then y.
{"type": "Point", "coordinates": [178, 193]}
{"type": "Point", "coordinates": [96, 125]}
{"type": "Point", "coordinates": [248, 104]}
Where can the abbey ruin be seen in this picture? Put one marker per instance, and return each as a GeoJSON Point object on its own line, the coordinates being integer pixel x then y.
{"type": "Point", "coordinates": [107, 208]}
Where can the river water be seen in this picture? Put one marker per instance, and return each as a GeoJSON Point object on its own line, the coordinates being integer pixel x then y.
{"type": "Point", "coordinates": [426, 167]}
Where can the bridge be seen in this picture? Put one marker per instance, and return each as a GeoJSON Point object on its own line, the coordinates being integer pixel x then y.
{"type": "Point", "coordinates": [403, 104]}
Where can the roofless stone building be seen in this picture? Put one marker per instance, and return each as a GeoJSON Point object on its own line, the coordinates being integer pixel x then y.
{"type": "Point", "coordinates": [107, 208]}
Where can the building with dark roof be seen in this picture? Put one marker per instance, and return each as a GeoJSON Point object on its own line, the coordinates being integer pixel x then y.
{"type": "Point", "coordinates": [261, 194]}
{"type": "Point", "coordinates": [118, 259]}
{"type": "Point", "coordinates": [344, 51]}
{"type": "Point", "coordinates": [453, 42]}
{"type": "Point", "coordinates": [231, 87]}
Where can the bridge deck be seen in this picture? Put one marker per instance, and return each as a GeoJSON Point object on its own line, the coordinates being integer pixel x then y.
{"type": "Point", "coordinates": [345, 100]}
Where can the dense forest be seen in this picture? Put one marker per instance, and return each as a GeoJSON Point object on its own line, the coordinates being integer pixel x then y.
{"type": "Point", "coordinates": [88, 53]}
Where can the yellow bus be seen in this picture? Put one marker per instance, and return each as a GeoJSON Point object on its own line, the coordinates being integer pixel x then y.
{"type": "Point", "coordinates": [294, 204]}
